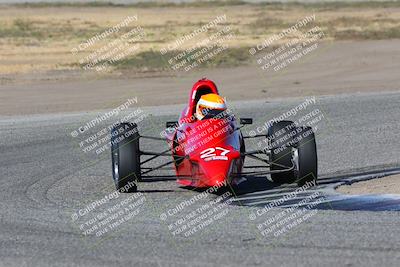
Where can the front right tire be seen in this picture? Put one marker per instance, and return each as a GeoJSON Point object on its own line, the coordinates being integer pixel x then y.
{"type": "Point", "coordinates": [125, 156]}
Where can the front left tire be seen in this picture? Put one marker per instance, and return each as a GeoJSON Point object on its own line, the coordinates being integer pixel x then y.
{"type": "Point", "coordinates": [293, 146]}
{"type": "Point", "coordinates": [281, 152]}
{"type": "Point", "coordinates": [307, 169]}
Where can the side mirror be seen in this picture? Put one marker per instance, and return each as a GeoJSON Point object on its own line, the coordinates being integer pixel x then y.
{"type": "Point", "coordinates": [244, 121]}
{"type": "Point", "coordinates": [171, 124]}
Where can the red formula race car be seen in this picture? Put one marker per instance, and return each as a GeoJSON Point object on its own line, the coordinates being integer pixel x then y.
{"type": "Point", "coordinates": [209, 149]}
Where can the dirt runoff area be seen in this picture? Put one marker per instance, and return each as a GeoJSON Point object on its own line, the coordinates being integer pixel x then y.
{"type": "Point", "coordinates": [337, 68]}
{"type": "Point", "coordinates": [385, 185]}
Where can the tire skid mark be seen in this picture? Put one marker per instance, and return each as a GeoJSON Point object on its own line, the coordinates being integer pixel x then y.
{"type": "Point", "coordinates": [328, 198]}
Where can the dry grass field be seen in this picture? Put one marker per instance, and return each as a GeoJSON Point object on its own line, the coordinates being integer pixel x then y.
{"type": "Point", "coordinates": [39, 38]}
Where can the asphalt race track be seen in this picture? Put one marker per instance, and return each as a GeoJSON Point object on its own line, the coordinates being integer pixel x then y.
{"type": "Point", "coordinates": [47, 179]}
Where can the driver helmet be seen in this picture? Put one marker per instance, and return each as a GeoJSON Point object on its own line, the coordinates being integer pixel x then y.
{"type": "Point", "coordinates": [209, 104]}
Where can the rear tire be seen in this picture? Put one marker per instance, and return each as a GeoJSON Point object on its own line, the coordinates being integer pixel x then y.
{"type": "Point", "coordinates": [125, 156]}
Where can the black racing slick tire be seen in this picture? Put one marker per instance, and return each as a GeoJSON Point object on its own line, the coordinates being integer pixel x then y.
{"type": "Point", "coordinates": [125, 155]}
{"type": "Point", "coordinates": [307, 166]}
{"type": "Point", "coordinates": [281, 140]}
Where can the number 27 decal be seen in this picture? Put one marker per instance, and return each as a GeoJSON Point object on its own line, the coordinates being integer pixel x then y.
{"type": "Point", "coordinates": [211, 153]}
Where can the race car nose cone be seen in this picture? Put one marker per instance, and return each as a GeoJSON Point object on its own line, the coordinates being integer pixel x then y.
{"type": "Point", "coordinates": [217, 168]}
{"type": "Point", "coordinates": [217, 173]}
